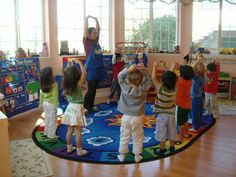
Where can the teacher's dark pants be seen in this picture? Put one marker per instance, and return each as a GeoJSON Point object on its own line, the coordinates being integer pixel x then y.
{"type": "Point", "coordinates": [90, 95]}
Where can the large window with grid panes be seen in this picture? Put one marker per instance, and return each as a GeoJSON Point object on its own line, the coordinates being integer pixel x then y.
{"type": "Point", "coordinates": [21, 25]}
{"type": "Point", "coordinates": [71, 15]}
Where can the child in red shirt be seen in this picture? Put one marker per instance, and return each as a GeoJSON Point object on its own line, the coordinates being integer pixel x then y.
{"type": "Point", "coordinates": [211, 89]}
{"type": "Point", "coordinates": [118, 66]}
{"type": "Point", "coordinates": [183, 99]}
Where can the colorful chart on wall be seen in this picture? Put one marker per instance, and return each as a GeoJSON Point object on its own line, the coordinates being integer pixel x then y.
{"type": "Point", "coordinates": [20, 84]}
{"type": "Point", "coordinates": [101, 137]}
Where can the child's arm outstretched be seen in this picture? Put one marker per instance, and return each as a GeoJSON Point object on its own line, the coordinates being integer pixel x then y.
{"type": "Point", "coordinates": [147, 82]}
{"type": "Point", "coordinates": [154, 77]}
{"type": "Point", "coordinates": [83, 73]}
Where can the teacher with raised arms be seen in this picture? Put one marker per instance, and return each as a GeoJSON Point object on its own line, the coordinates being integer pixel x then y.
{"type": "Point", "coordinates": [94, 62]}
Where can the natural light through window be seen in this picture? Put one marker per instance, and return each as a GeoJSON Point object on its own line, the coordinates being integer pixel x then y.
{"type": "Point", "coordinates": [152, 23]}
{"type": "Point", "coordinates": [21, 25]}
{"type": "Point", "coordinates": [71, 14]}
{"type": "Point", "coordinates": [205, 25]}
{"type": "Point", "coordinates": [228, 34]}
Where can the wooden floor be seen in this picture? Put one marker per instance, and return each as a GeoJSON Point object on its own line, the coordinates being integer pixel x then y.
{"type": "Point", "coordinates": [213, 155]}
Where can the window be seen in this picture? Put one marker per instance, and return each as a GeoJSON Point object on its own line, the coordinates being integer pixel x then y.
{"type": "Point", "coordinates": [228, 33]}
{"type": "Point", "coordinates": [206, 20]}
{"type": "Point", "coordinates": [21, 25]}
{"type": "Point", "coordinates": [151, 22]}
{"type": "Point", "coordinates": [205, 25]}
{"type": "Point", "coordinates": [71, 14]}
{"type": "Point", "coordinates": [7, 26]}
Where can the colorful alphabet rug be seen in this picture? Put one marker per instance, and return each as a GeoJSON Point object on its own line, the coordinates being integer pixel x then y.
{"type": "Point", "coordinates": [101, 137]}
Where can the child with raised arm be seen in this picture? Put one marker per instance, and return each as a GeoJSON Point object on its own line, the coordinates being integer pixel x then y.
{"type": "Point", "coordinates": [74, 118]}
{"type": "Point", "coordinates": [118, 65]}
{"type": "Point", "coordinates": [183, 99]}
{"type": "Point", "coordinates": [135, 82]}
{"type": "Point", "coordinates": [49, 101]}
{"type": "Point", "coordinates": [211, 89]}
{"type": "Point", "coordinates": [165, 109]}
{"type": "Point", "coordinates": [196, 95]}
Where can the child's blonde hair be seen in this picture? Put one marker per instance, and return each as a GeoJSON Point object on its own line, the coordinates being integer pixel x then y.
{"type": "Point", "coordinates": [135, 77]}
{"type": "Point", "coordinates": [200, 57]}
{"type": "Point", "coordinates": [199, 68]}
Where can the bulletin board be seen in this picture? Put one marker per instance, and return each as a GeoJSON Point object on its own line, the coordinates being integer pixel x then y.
{"type": "Point", "coordinates": [20, 84]}
{"type": "Point", "coordinates": [107, 59]}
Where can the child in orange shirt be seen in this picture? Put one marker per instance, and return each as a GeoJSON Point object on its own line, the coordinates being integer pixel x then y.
{"type": "Point", "coordinates": [183, 100]}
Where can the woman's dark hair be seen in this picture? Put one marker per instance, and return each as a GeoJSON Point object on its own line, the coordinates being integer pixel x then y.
{"type": "Point", "coordinates": [46, 79]}
{"type": "Point", "coordinates": [169, 79]}
{"type": "Point", "coordinates": [90, 30]}
{"type": "Point", "coordinates": [211, 67]}
{"type": "Point", "coordinates": [71, 77]}
{"type": "Point", "coordinates": [186, 72]}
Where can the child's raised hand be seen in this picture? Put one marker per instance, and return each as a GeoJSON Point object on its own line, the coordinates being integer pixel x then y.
{"type": "Point", "coordinates": [132, 68]}
{"type": "Point", "coordinates": [141, 66]}
{"type": "Point", "coordinates": [78, 61]}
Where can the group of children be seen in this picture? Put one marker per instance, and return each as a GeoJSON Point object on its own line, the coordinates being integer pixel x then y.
{"type": "Point", "coordinates": [180, 93]}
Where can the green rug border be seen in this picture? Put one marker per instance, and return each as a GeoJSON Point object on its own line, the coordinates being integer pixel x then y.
{"type": "Point", "coordinates": [125, 162]}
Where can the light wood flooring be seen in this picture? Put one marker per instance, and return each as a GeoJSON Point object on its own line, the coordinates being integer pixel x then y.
{"type": "Point", "coordinates": [212, 155]}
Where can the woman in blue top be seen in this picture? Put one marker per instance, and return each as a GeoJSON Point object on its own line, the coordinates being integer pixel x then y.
{"type": "Point", "coordinates": [94, 62]}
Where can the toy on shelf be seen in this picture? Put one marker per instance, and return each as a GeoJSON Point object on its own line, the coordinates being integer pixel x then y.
{"type": "Point", "coordinates": [44, 52]}
{"type": "Point", "coordinates": [2, 55]}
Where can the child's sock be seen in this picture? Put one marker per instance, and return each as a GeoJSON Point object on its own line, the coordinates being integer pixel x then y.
{"type": "Point", "coordinates": [53, 137]}
{"type": "Point", "coordinates": [161, 152]}
{"type": "Point", "coordinates": [70, 148]}
{"type": "Point", "coordinates": [121, 157]}
{"type": "Point", "coordinates": [81, 152]}
{"type": "Point", "coordinates": [172, 149]}
{"type": "Point", "coordinates": [138, 158]}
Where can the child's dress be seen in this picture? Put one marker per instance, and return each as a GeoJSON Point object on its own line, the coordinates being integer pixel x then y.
{"type": "Point", "coordinates": [74, 114]}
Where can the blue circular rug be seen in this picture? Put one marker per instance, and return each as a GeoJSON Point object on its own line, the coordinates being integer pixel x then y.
{"type": "Point", "coordinates": [101, 137]}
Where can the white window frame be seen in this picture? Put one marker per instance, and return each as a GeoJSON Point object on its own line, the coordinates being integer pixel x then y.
{"type": "Point", "coordinates": [17, 22]}
{"type": "Point", "coordinates": [109, 21]}
{"type": "Point", "coordinates": [151, 18]}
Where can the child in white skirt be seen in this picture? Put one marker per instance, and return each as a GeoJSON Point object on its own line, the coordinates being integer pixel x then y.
{"type": "Point", "coordinates": [49, 101]}
{"type": "Point", "coordinates": [74, 118]}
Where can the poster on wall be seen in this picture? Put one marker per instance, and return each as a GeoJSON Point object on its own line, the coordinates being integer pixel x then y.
{"type": "Point", "coordinates": [20, 84]}
{"type": "Point", "coordinates": [107, 59]}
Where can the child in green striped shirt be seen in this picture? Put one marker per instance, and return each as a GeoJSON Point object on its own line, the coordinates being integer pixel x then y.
{"type": "Point", "coordinates": [165, 108]}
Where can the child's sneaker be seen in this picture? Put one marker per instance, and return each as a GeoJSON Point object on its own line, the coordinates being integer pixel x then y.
{"type": "Point", "coordinates": [138, 158]}
{"type": "Point", "coordinates": [161, 152]}
{"type": "Point", "coordinates": [81, 152]}
{"type": "Point", "coordinates": [70, 148]}
{"type": "Point", "coordinates": [192, 130]}
{"type": "Point", "coordinates": [109, 101]}
{"type": "Point", "coordinates": [53, 137]}
{"type": "Point", "coordinates": [121, 157]}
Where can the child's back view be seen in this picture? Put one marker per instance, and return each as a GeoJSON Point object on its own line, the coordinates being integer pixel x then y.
{"type": "Point", "coordinates": [49, 101]}
{"type": "Point", "coordinates": [135, 82]}
{"type": "Point", "coordinates": [165, 109]}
